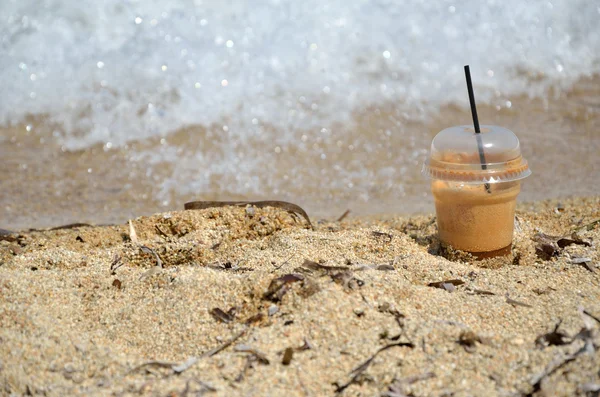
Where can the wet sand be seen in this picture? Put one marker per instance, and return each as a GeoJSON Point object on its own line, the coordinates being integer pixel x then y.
{"type": "Point", "coordinates": [381, 154]}
{"type": "Point", "coordinates": [86, 311]}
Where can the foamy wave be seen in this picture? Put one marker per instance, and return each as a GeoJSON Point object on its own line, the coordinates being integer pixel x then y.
{"type": "Point", "coordinates": [115, 71]}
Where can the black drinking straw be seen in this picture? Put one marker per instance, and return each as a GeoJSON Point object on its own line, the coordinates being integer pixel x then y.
{"type": "Point", "coordinates": [476, 123]}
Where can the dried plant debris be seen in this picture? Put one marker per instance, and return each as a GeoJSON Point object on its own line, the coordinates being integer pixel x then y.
{"type": "Point", "coordinates": [339, 274]}
{"type": "Point", "coordinates": [222, 316]}
{"type": "Point", "coordinates": [553, 338]}
{"type": "Point", "coordinates": [387, 236]}
{"type": "Point", "coordinates": [516, 303]}
{"type": "Point", "coordinates": [380, 267]}
{"type": "Point", "coordinates": [225, 345]}
{"type": "Point", "coordinates": [548, 246]}
{"type": "Point", "coordinates": [148, 250]}
{"type": "Point", "coordinates": [203, 387]}
{"type": "Point", "coordinates": [311, 267]}
{"type": "Point", "coordinates": [260, 357]}
{"type": "Point", "coordinates": [557, 363]}
{"type": "Point", "coordinates": [475, 291]}
{"type": "Point", "coordinates": [347, 280]}
{"type": "Point", "coordinates": [468, 340]}
{"type": "Point", "coordinates": [230, 266]}
{"type": "Point", "coordinates": [305, 346]}
{"type": "Point", "coordinates": [277, 267]}
{"type": "Point", "coordinates": [587, 313]}
{"type": "Point", "coordinates": [132, 233]}
{"type": "Point", "coordinates": [115, 264]}
{"type": "Point", "coordinates": [448, 285]}
{"type": "Point", "coordinates": [288, 354]}
{"type": "Point", "coordinates": [586, 334]}
{"type": "Point", "coordinates": [257, 318]}
{"type": "Point", "coordinates": [344, 215]}
{"type": "Point", "coordinates": [398, 388]}
{"type": "Point", "coordinates": [174, 367]}
{"type": "Point", "coordinates": [160, 231]}
{"type": "Point", "coordinates": [281, 285]}
{"type": "Point", "coordinates": [358, 371]}
{"type": "Point", "coordinates": [589, 226]}
{"type": "Point", "coordinates": [284, 205]}
{"type": "Point", "coordinates": [586, 263]}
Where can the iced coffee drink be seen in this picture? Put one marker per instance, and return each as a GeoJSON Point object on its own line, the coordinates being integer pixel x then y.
{"type": "Point", "coordinates": [475, 202]}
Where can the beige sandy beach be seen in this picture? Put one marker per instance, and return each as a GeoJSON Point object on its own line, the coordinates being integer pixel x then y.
{"type": "Point", "coordinates": [252, 301]}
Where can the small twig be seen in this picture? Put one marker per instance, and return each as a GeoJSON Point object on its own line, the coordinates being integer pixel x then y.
{"type": "Point", "coordinates": [225, 345]}
{"type": "Point", "coordinates": [283, 264]}
{"type": "Point", "coordinates": [396, 389]}
{"type": "Point", "coordinates": [247, 349]}
{"type": "Point", "coordinates": [179, 368]}
{"type": "Point", "coordinates": [115, 264]}
{"type": "Point", "coordinates": [356, 372]}
{"type": "Point", "coordinates": [552, 367]}
{"type": "Point", "coordinates": [222, 316]}
{"type": "Point", "coordinates": [160, 231]}
{"type": "Point", "coordinates": [516, 303]}
{"type": "Point", "coordinates": [344, 215]}
{"type": "Point", "coordinates": [481, 292]}
{"type": "Point", "coordinates": [591, 315]}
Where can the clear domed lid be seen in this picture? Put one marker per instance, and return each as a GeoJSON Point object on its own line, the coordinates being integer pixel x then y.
{"type": "Point", "coordinates": [456, 156]}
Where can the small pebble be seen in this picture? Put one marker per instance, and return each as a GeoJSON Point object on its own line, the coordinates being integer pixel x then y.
{"type": "Point", "coordinates": [359, 312]}
{"type": "Point", "coordinates": [273, 309]}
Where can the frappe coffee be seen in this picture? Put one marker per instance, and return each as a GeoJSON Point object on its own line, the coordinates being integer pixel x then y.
{"type": "Point", "coordinates": [475, 202]}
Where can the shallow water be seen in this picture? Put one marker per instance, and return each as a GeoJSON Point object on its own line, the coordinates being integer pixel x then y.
{"type": "Point", "coordinates": [118, 109]}
{"type": "Point", "coordinates": [44, 186]}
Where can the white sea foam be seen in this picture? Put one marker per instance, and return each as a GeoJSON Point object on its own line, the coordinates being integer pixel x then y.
{"type": "Point", "coordinates": [114, 71]}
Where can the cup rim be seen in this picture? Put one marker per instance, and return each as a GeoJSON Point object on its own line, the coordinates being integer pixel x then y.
{"type": "Point", "coordinates": [466, 173]}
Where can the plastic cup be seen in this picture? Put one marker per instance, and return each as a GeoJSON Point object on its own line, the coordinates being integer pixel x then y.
{"type": "Point", "coordinates": [475, 200]}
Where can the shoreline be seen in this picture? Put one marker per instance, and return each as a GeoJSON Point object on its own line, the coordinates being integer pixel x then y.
{"type": "Point", "coordinates": [348, 215]}
{"type": "Point", "coordinates": [44, 186]}
{"type": "Point", "coordinates": [359, 306]}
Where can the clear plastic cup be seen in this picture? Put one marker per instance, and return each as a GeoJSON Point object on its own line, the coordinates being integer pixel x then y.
{"type": "Point", "coordinates": [475, 190]}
